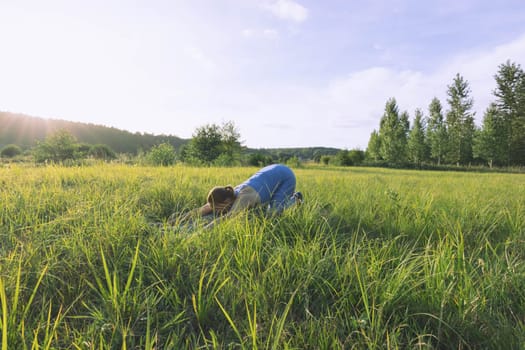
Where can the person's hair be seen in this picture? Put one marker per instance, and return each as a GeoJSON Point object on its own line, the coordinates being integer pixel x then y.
{"type": "Point", "coordinates": [220, 195]}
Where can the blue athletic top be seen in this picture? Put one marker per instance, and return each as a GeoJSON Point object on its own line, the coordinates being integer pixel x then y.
{"type": "Point", "coordinates": [268, 180]}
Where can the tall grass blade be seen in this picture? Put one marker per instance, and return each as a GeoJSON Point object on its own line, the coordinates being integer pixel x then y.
{"type": "Point", "coordinates": [3, 300]}
{"type": "Point", "coordinates": [280, 324]}
{"type": "Point", "coordinates": [230, 321]}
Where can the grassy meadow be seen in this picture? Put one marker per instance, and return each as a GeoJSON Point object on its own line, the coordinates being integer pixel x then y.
{"type": "Point", "coordinates": [373, 259]}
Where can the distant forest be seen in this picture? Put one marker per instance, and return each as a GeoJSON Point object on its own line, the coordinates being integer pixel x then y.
{"type": "Point", "coordinates": [26, 131]}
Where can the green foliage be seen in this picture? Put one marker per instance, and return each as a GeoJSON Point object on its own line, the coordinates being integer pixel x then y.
{"type": "Point", "coordinates": [10, 151]}
{"type": "Point", "coordinates": [211, 141]}
{"type": "Point", "coordinates": [455, 139]}
{"type": "Point", "coordinates": [460, 122]}
{"type": "Point", "coordinates": [393, 133]}
{"type": "Point", "coordinates": [357, 156]}
{"type": "Point", "coordinates": [259, 160]}
{"type": "Point", "coordinates": [343, 158]}
{"type": "Point", "coordinates": [348, 158]}
{"type": "Point", "coordinates": [163, 154]}
{"type": "Point", "coordinates": [273, 155]}
{"type": "Point", "coordinates": [373, 150]}
{"type": "Point", "coordinates": [372, 259]}
{"type": "Point", "coordinates": [436, 131]}
{"type": "Point", "coordinates": [225, 160]}
{"type": "Point", "coordinates": [58, 147]}
{"type": "Point", "coordinates": [491, 140]}
{"type": "Point", "coordinates": [294, 162]}
{"type": "Point", "coordinates": [101, 152]}
{"type": "Point", "coordinates": [417, 145]}
{"type": "Point", "coordinates": [62, 147]}
{"type": "Point", "coordinates": [82, 150]}
{"type": "Point", "coordinates": [230, 141]}
{"type": "Point", "coordinates": [205, 146]}
{"type": "Point", "coordinates": [510, 94]}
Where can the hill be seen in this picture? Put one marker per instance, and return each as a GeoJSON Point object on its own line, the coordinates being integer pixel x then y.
{"type": "Point", "coordinates": [25, 131]}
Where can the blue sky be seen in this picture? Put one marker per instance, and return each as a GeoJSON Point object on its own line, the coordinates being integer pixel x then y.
{"type": "Point", "coordinates": [289, 73]}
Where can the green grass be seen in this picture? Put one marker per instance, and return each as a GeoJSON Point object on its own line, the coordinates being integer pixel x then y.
{"type": "Point", "coordinates": [374, 259]}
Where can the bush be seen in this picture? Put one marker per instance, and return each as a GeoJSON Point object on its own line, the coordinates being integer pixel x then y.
{"type": "Point", "coordinates": [343, 158]}
{"type": "Point", "coordinates": [349, 158]}
{"type": "Point", "coordinates": [163, 154]}
{"type": "Point", "coordinates": [225, 160]}
{"type": "Point", "coordinates": [57, 148]}
{"type": "Point", "coordinates": [357, 156]}
{"type": "Point", "coordinates": [294, 162]}
{"type": "Point", "coordinates": [10, 151]}
{"type": "Point", "coordinates": [260, 160]}
{"type": "Point", "coordinates": [325, 159]}
{"type": "Point", "coordinates": [102, 152]}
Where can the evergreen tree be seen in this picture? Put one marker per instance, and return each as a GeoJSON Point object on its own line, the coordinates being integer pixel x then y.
{"type": "Point", "coordinates": [402, 136]}
{"type": "Point", "coordinates": [393, 133]}
{"type": "Point", "coordinates": [460, 122]}
{"type": "Point", "coordinates": [510, 93]}
{"type": "Point", "coordinates": [417, 147]}
{"type": "Point", "coordinates": [491, 140]}
{"type": "Point", "coordinates": [373, 151]}
{"type": "Point", "coordinates": [436, 131]}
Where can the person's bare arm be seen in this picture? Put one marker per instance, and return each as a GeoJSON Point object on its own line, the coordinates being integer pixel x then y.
{"type": "Point", "coordinates": [202, 211]}
{"type": "Point", "coordinates": [205, 210]}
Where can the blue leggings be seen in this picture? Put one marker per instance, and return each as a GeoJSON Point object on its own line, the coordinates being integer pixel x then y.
{"type": "Point", "coordinates": [282, 196]}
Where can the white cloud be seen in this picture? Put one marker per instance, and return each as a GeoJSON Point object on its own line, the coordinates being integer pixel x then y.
{"type": "Point", "coordinates": [479, 68]}
{"type": "Point", "coordinates": [287, 10]}
{"type": "Point", "coordinates": [270, 33]}
{"type": "Point", "coordinates": [248, 33]}
{"type": "Point", "coordinates": [364, 93]}
{"type": "Point", "coordinates": [267, 33]}
{"type": "Point", "coordinates": [198, 56]}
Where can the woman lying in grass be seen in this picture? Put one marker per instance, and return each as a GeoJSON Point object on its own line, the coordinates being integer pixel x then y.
{"type": "Point", "coordinates": [272, 186]}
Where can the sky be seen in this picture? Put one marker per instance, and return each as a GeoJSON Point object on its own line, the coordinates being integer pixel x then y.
{"type": "Point", "coordinates": [288, 73]}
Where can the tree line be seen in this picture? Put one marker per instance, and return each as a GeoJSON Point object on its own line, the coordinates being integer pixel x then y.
{"type": "Point", "coordinates": [211, 144]}
{"type": "Point", "coordinates": [31, 138]}
{"type": "Point", "coordinates": [442, 137]}
{"type": "Point", "coordinates": [451, 137]}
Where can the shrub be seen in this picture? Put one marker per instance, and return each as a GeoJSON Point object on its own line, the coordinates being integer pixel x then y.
{"type": "Point", "coordinates": [102, 152]}
{"type": "Point", "coordinates": [56, 148]}
{"type": "Point", "coordinates": [163, 154]}
{"type": "Point", "coordinates": [260, 160]}
{"type": "Point", "coordinates": [326, 159]}
{"type": "Point", "coordinates": [10, 151]}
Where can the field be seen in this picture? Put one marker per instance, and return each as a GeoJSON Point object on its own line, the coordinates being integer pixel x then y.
{"type": "Point", "coordinates": [373, 259]}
